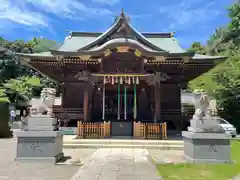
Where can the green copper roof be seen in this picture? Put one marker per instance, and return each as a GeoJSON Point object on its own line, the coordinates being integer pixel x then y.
{"type": "Point", "coordinates": [199, 56]}
{"type": "Point", "coordinates": [168, 44]}
{"type": "Point", "coordinates": [42, 54]}
{"type": "Point", "coordinates": [73, 43]}
{"type": "Point", "coordinates": [121, 28]}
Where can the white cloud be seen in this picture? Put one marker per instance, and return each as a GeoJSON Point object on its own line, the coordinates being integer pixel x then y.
{"type": "Point", "coordinates": [34, 14]}
{"type": "Point", "coordinates": [108, 2]}
{"type": "Point", "coordinates": [189, 13]}
{"type": "Point", "coordinates": [12, 13]}
{"type": "Point", "coordinates": [67, 8]}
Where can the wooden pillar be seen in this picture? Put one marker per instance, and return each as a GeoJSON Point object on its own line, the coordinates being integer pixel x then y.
{"type": "Point", "coordinates": [63, 95]}
{"type": "Point", "coordinates": [157, 81]}
{"type": "Point", "coordinates": [90, 99]}
{"type": "Point", "coordinates": [157, 102]}
{"type": "Point", "coordinates": [85, 104]}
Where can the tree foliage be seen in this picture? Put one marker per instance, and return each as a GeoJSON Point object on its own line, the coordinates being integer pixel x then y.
{"type": "Point", "coordinates": [223, 82]}
{"type": "Point", "coordinates": [17, 80]}
{"type": "Point", "coordinates": [21, 87]}
{"type": "Point", "coordinates": [197, 47]}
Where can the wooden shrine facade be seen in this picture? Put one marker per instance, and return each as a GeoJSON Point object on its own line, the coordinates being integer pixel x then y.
{"type": "Point", "coordinates": [121, 75]}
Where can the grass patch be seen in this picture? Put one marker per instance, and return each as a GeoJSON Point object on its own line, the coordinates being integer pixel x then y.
{"type": "Point", "coordinates": [203, 171]}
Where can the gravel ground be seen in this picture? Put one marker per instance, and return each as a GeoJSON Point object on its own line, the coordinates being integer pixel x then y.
{"type": "Point", "coordinates": [12, 170]}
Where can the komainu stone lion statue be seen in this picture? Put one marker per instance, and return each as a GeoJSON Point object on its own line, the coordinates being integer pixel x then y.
{"type": "Point", "coordinates": [46, 103]}
{"type": "Point", "coordinates": [202, 107]}
{"type": "Point", "coordinates": [202, 120]}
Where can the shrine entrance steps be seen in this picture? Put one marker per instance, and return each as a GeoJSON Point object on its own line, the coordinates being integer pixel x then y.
{"type": "Point", "coordinates": [119, 142]}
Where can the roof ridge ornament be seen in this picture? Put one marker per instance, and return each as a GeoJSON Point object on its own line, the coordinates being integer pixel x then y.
{"type": "Point", "coordinates": [124, 16]}
{"type": "Point", "coordinates": [172, 34]}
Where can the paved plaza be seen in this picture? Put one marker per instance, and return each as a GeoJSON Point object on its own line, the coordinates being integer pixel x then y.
{"type": "Point", "coordinates": [118, 164]}
{"type": "Point", "coordinates": [85, 164]}
{"type": "Point", "coordinates": [11, 170]}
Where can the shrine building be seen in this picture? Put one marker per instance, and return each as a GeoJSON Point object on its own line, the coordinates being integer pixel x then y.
{"type": "Point", "coordinates": [121, 75]}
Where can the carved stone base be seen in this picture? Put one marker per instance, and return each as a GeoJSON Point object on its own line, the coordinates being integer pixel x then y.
{"type": "Point", "coordinates": [207, 147]}
{"type": "Point", "coordinates": [39, 146]}
{"type": "Point", "coordinates": [41, 123]}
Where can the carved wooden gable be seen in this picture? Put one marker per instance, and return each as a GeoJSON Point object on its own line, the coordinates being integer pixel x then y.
{"type": "Point", "coordinates": [122, 63]}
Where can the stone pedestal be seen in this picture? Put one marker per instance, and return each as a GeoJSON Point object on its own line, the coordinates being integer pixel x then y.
{"type": "Point", "coordinates": [39, 146]}
{"type": "Point", "coordinates": [39, 142]}
{"type": "Point", "coordinates": [41, 123]}
{"type": "Point", "coordinates": [204, 124]}
{"type": "Point", "coordinates": [207, 147]}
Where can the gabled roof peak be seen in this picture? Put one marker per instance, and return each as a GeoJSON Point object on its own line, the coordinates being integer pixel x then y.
{"type": "Point", "coordinates": [123, 17]}
{"type": "Point", "coordinates": [122, 14]}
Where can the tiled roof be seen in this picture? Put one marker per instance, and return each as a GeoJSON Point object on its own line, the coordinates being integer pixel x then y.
{"type": "Point", "coordinates": [168, 44]}
{"type": "Point", "coordinates": [199, 56]}
{"type": "Point", "coordinates": [73, 43]}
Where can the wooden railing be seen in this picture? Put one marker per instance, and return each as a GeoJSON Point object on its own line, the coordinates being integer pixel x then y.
{"type": "Point", "coordinates": [150, 130]}
{"type": "Point", "coordinates": [93, 130]}
{"type": "Point", "coordinates": [67, 113]}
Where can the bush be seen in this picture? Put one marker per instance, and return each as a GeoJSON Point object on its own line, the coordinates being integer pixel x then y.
{"type": "Point", "coordinates": [4, 118]}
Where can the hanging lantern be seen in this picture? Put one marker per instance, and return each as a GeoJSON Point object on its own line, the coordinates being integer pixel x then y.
{"type": "Point", "coordinates": [137, 80]}
{"type": "Point", "coordinates": [133, 80]}
{"type": "Point", "coordinates": [129, 80]}
{"type": "Point", "coordinates": [125, 80]}
{"type": "Point", "coordinates": [121, 80]}
{"type": "Point", "coordinates": [104, 80]}
{"type": "Point", "coordinates": [112, 78]}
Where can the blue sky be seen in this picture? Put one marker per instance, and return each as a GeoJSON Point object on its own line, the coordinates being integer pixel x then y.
{"type": "Point", "coordinates": [192, 20]}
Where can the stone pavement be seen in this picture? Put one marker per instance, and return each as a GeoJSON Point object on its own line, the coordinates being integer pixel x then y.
{"type": "Point", "coordinates": [12, 170]}
{"type": "Point", "coordinates": [166, 156]}
{"type": "Point", "coordinates": [118, 164]}
{"type": "Point", "coordinates": [237, 177]}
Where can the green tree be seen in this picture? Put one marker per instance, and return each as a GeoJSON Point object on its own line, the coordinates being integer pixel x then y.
{"type": "Point", "coordinates": [223, 82]}
{"type": "Point", "coordinates": [234, 25]}
{"type": "Point", "coordinates": [228, 93]}
{"type": "Point", "coordinates": [215, 44]}
{"type": "Point", "coordinates": [11, 68]}
{"type": "Point", "coordinates": [43, 45]}
{"type": "Point", "coordinates": [21, 88]}
{"type": "Point", "coordinates": [197, 47]}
